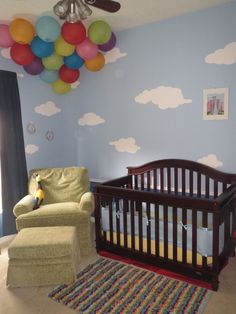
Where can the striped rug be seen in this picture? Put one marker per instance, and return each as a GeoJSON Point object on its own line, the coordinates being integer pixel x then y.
{"type": "Point", "coordinates": [109, 286]}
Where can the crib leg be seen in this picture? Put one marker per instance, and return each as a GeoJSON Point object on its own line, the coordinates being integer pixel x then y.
{"type": "Point", "coordinates": [215, 283]}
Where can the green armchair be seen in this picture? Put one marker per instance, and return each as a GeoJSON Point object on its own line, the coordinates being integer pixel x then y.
{"type": "Point", "coordinates": [67, 202]}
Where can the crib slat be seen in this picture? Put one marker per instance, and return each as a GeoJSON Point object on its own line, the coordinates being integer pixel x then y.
{"type": "Point", "coordinates": [148, 230]}
{"type": "Point", "coordinates": [136, 182]}
{"type": "Point", "coordinates": [215, 188]}
{"type": "Point", "coordinates": [148, 180]}
{"type": "Point", "coordinates": [176, 179]}
{"type": "Point", "coordinates": [175, 234]}
{"type": "Point", "coordinates": [132, 226]}
{"type": "Point", "coordinates": [168, 180]}
{"type": "Point", "coordinates": [155, 179]}
{"type": "Point", "coordinates": [125, 222]}
{"type": "Point", "coordinates": [157, 230]}
{"type": "Point", "coordinates": [184, 235]}
{"type": "Point", "coordinates": [199, 185]}
{"type": "Point", "coordinates": [224, 187]}
{"type": "Point", "coordinates": [140, 226]}
{"type": "Point", "coordinates": [191, 182]}
{"type": "Point", "coordinates": [205, 225]}
{"type": "Point", "coordinates": [118, 222]}
{"type": "Point", "coordinates": [183, 181]}
{"type": "Point", "coordinates": [165, 217]}
{"type": "Point", "coordinates": [142, 181]}
{"type": "Point", "coordinates": [111, 220]}
{"type": "Point", "coordinates": [194, 237]}
{"type": "Point", "coordinates": [161, 180]}
{"type": "Point", "coordinates": [207, 186]}
{"type": "Point", "coordinates": [227, 224]}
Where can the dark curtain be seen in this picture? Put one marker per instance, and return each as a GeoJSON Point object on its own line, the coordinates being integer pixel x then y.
{"type": "Point", "coordinates": [13, 162]}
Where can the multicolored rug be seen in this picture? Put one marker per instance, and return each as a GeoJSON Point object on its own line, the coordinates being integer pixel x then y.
{"type": "Point", "coordinates": [109, 286]}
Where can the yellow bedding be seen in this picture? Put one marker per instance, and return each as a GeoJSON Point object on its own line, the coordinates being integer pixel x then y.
{"type": "Point", "coordinates": [161, 248]}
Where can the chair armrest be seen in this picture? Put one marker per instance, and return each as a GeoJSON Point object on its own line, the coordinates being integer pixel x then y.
{"type": "Point", "coordinates": [87, 202]}
{"type": "Point", "coordinates": [25, 205]}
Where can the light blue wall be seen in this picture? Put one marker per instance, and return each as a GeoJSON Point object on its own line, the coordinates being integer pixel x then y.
{"type": "Point", "coordinates": [168, 53]}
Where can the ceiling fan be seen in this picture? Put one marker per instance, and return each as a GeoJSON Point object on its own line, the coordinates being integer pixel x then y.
{"type": "Point", "coordinates": [74, 10]}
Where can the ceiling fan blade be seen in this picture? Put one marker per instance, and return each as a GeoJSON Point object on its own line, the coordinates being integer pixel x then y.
{"type": "Point", "coordinates": [106, 5]}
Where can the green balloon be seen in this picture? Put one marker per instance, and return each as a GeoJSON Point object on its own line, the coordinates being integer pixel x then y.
{"type": "Point", "coordinates": [60, 87]}
{"type": "Point", "coordinates": [53, 62]}
{"type": "Point", "coordinates": [99, 32]}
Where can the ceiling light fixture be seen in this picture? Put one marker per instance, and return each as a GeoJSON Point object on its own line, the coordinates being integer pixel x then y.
{"type": "Point", "coordinates": [72, 10]}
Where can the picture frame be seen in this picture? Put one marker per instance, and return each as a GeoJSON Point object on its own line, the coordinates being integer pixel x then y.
{"type": "Point", "coordinates": [215, 103]}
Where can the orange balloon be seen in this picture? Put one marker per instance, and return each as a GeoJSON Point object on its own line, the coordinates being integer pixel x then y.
{"type": "Point", "coordinates": [22, 31]}
{"type": "Point", "coordinates": [96, 63]}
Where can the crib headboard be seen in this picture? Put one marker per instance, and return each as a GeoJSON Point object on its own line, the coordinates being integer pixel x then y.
{"type": "Point", "coordinates": [181, 176]}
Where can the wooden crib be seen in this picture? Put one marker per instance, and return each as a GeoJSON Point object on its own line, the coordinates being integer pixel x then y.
{"type": "Point", "coordinates": [163, 212]}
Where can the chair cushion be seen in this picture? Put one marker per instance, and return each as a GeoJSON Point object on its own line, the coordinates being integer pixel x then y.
{"type": "Point", "coordinates": [46, 242]}
{"type": "Point", "coordinates": [61, 184]}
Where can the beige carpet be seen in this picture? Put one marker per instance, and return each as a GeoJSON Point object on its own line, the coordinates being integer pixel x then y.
{"type": "Point", "coordinates": [36, 301]}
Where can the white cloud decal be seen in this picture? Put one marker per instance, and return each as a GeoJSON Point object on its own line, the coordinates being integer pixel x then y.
{"type": "Point", "coordinates": [31, 149]}
{"type": "Point", "coordinates": [5, 52]}
{"type": "Point", "coordinates": [75, 84]}
{"type": "Point", "coordinates": [165, 97]}
{"type": "Point", "coordinates": [90, 119]}
{"type": "Point", "coordinates": [113, 55]}
{"type": "Point", "coordinates": [227, 55]}
{"type": "Point", "coordinates": [126, 145]}
{"type": "Point", "coordinates": [20, 75]}
{"type": "Point", "coordinates": [48, 109]}
{"type": "Point", "coordinates": [211, 160]}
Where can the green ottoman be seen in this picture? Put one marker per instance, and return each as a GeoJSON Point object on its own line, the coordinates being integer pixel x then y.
{"type": "Point", "coordinates": [43, 256]}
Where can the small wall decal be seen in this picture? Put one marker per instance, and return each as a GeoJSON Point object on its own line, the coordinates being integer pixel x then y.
{"type": "Point", "coordinates": [91, 119]}
{"type": "Point", "coordinates": [48, 109]}
{"type": "Point", "coordinates": [75, 84]}
{"type": "Point", "coordinates": [226, 56]}
{"type": "Point", "coordinates": [21, 75]}
{"type": "Point", "coordinates": [31, 149]}
{"type": "Point", "coordinates": [114, 55]}
{"type": "Point", "coordinates": [210, 160]}
{"type": "Point", "coordinates": [5, 52]}
{"type": "Point", "coordinates": [126, 145]}
{"type": "Point", "coordinates": [49, 135]}
{"type": "Point", "coordinates": [215, 103]}
{"type": "Point", "coordinates": [165, 97]}
{"type": "Point", "coordinates": [31, 129]}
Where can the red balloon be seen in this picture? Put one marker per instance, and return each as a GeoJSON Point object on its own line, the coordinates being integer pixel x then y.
{"type": "Point", "coordinates": [73, 33]}
{"type": "Point", "coordinates": [22, 54]}
{"type": "Point", "coordinates": [68, 75]}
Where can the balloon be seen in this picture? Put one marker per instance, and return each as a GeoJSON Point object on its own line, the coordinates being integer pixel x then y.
{"type": "Point", "coordinates": [49, 76]}
{"type": "Point", "coordinates": [5, 38]}
{"type": "Point", "coordinates": [41, 48]}
{"type": "Point", "coordinates": [22, 31]}
{"type": "Point", "coordinates": [35, 67]}
{"type": "Point", "coordinates": [87, 50]}
{"type": "Point", "coordinates": [99, 32]}
{"type": "Point", "coordinates": [22, 54]}
{"type": "Point", "coordinates": [109, 45]}
{"type": "Point", "coordinates": [61, 87]}
{"type": "Point", "coordinates": [73, 33]}
{"type": "Point", "coordinates": [47, 28]}
{"type": "Point", "coordinates": [53, 62]}
{"type": "Point", "coordinates": [95, 64]}
{"type": "Point", "coordinates": [68, 75]}
{"type": "Point", "coordinates": [63, 48]}
{"type": "Point", "coordinates": [74, 61]}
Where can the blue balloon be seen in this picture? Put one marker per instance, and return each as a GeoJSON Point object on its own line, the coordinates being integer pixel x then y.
{"type": "Point", "coordinates": [47, 28]}
{"type": "Point", "coordinates": [74, 61]}
{"type": "Point", "coordinates": [41, 48]}
{"type": "Point", "coordinates": [49, 76]}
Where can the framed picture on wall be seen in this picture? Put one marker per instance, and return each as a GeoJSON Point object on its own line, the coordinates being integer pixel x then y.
{"type": "Point", "coordinates": [215, 103]}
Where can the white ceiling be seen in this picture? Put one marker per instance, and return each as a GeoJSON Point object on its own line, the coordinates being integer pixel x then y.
{"type": "Point", "coordinates": [131, 14]}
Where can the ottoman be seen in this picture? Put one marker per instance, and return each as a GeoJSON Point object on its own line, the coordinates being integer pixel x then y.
{"type": "Point", "coordinates": [43, 256]}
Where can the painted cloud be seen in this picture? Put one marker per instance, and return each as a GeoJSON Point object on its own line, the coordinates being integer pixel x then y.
{"type": "Point", "coordinates": [90, 118]}
{"type": "Point", "coordinates": [75, 84]}
{"type": "Point", "coordinates": [31, 149]}
{"type": "Point", "coordinates": [211, 160]}
{"type": "Point", "coordinates": [5, 52]}
{"type": "Point", "coordinates": [113, 55]}
{"type": "Point", "coordinates": [126, 145]}
{"type": "Point", "coordinates": [165, 97]}
{"type": "Point", "coordinates": [48, 109]}
{"type": "Point", "coordinates": [227, 55]}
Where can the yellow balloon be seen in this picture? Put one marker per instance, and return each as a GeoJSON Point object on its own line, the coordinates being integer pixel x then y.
{"type": "Point", "coordinates": [22, 31]}
{"type": "Point", "coordinates": [96, 63]}
{"type": "Point", "coordinates": [61, 87]}
{"type": "Point", "coordinates": [53, 62]}
{"type": "Point", "coordinates": [63, 48]}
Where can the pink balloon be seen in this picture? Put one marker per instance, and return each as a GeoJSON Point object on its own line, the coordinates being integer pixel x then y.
{"type": "Point", "coordinates": [5, 38]}
{"type": "Point", "coordinates": [87, 50]}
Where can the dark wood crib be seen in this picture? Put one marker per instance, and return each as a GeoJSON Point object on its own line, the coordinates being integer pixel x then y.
{"type": "Point", "coordinates": [163, 211]}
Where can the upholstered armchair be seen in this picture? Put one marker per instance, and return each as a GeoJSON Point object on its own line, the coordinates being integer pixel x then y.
{"type": "Point", "coordinates": [67, 202]}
